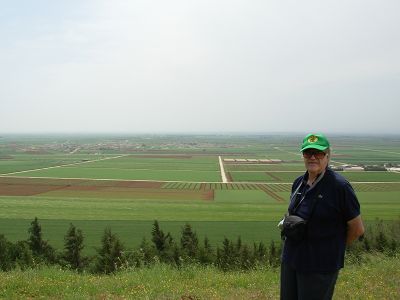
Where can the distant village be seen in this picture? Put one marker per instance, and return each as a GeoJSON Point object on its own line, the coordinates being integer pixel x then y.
{"type": "Point", "coordinates": [343, 167]}
{"type": "Point", "coordinates": [147, 144]}
{"type": "Point", "coordinates": [355, 168]}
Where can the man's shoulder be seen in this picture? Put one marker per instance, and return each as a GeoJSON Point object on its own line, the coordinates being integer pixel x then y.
{"type": "Point", "coordinates": [336, 178]}
{"type": "Point", "coordinates": [298, 179]}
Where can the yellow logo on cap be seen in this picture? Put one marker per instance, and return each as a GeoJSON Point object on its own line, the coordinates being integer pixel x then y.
{"type": "Point", "coordinates": [312, 139]}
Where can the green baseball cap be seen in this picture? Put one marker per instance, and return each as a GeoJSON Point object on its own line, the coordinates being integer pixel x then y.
{"type": "Point", "coordinates": [315, 141]}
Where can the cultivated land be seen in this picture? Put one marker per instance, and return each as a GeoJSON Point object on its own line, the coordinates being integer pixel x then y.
{"type": "Point", "coordinates": [128, 182]}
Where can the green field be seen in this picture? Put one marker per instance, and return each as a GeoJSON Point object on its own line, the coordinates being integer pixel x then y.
{"type": "Point", "coordinates": [184, 184]}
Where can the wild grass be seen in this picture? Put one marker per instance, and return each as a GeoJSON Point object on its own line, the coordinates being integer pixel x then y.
{"type": "Point", "coordinates": [376, 278]}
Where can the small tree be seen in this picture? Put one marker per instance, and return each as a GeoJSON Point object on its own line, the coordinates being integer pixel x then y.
{"type": "Point", "coordinates": [35, 240]}
{"type": "Point", "coordinates": [206, 253]}
{"type": "Point", "coordinates": [6, 262]}
{"type": "Point", "coordinates": [260, 253]}
{"type": "Point", "coordinates": [147, 252]}
{"type": "Point", "coordinates": [246, 259]}
{"type": "Point", "coordinates": [273, 255]}
{"type": "Point", "coordinates": [73, 245]}
{"type": "Point", "coordinates": [189, 242]}
{"type": "Point", "coordinates": [22, 255]}
{"type": "Point", "coordinates": [110, 254]}
{"type": "Point", "coordinates": [158, 237]}
{"type": "Point", "coordinates": [163, 243]}
{"type": "Point", "coordinates": [40, 248]}
{"type": "Point", "coordinates": [226, 255]}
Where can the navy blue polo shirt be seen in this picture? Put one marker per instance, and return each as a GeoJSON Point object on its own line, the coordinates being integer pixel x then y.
{"type": "Point", "coordinates": [324, 246]}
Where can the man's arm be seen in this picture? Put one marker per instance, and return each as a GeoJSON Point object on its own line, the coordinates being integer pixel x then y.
{"type": "Point", "coordinates": [355, 229]}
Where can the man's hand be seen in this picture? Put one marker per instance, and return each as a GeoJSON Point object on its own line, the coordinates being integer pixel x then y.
{"type": "Point", "coordinates": [355, 229]}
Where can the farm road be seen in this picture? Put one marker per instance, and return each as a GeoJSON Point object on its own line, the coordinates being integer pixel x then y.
{"type": "Point", "coordinates": [178, 181]}
{"type": "Point", "coordinates": [223, 174]}
{"type": "Point", "coordinates": [65, 165]}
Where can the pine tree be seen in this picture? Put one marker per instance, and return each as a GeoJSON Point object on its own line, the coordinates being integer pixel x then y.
{"type": "Point", "coordinates": [110, 254]}
{"type": "Point", "coordinates": [246, 261]}
{"type": "Point", "coordinates": [273, 255]}
{"type": "Point", "coordinates": [189, 242]}
{"type": "Point", "coordinates": [6, 262]}
{"type": "Point", "coordinates": [40, 248]}
{"type": "Point", "coordinates": [35, 240]}
{"type": "Point", "coordinates": [225, 258]}
{"type": "Point", "coordinates": [206, 253]}
{"type": "Point", "coordinates": [158, 237]}
{"type": "Point", "coordinates": [146, 253]}
{"type": "Point", "coordinates": [73, 245]}
{"type": "Point", "coordinates": [163, 243]}
{"type": "Point", "coordinates": [22, 255]}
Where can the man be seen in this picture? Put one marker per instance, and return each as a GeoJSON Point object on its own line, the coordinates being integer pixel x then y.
{"type": "Point", "coordinates": [327, 202]}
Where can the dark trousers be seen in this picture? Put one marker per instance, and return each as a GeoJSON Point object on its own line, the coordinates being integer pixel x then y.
{"type": "Point", "coordinates": [306, 286]}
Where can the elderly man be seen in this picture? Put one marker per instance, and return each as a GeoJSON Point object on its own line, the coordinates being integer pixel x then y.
{"type": "Point", "coordinates": [329, 206]}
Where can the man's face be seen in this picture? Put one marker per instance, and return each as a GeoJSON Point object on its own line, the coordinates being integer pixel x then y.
{"type": "Point", "coordinates": [315, 160]}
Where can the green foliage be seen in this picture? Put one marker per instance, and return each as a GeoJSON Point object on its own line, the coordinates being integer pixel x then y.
{"type": "Point", "coordinates": [189, 242]}
{"type": "Point", "coordinates": [274, 254]}
{"type": "Point", "coordinates": [73, 247]}
{"type": "Point", "coordinates": [380, 237]}
{"type": "Point", "coordinates": [164, 244]}
{"type": "Point", "coordinates": [40, 248]}
{"type": "Point", "coordinates": [22, 255]}
{"type": "Point", "coordinates": [110, 255]}
{"type": "Point", "coordinates": [383, 237]}
{"type": "Point", "coordinates": [6, 262]}
{"type": "Point", "coordinates": [35, 238]}
{"type": "Point", "coordinates": [206, 254]}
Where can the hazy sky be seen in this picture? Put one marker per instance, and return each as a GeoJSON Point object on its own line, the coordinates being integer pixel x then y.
{"type": "Point", "coordinates": [200, 66]}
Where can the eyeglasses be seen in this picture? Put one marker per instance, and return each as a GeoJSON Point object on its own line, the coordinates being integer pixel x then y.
{"type": "Point", "coordinates": [317, 154]}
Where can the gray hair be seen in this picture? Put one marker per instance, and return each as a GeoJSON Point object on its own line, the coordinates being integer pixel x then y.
{"type": "Point", "coordinates": [328, 152]}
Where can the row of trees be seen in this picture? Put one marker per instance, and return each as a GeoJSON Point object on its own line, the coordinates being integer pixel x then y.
{"type": "Point", "coordinates": [112, 254]}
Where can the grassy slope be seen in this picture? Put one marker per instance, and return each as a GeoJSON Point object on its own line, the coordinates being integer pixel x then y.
{"type": "Point", "coordinates": [377, 279]}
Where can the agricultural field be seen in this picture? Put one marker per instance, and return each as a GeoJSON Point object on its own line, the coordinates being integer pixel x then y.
{"type": "Point", "coordinates": [128, 182]}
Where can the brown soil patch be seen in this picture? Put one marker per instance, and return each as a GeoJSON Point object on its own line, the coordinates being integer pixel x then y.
{"type": "Point", "coordinates": [208, 195]}
{"type": "Point", "coordinates": [27, 189]}
{"type": "Point", "coordinates": [85, 187]}
{"type": "Point", "coordinates": [30, 187]}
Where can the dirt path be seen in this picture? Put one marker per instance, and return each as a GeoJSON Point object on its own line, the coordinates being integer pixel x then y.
{"type": "Point", "coordinates": [223, 174]}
